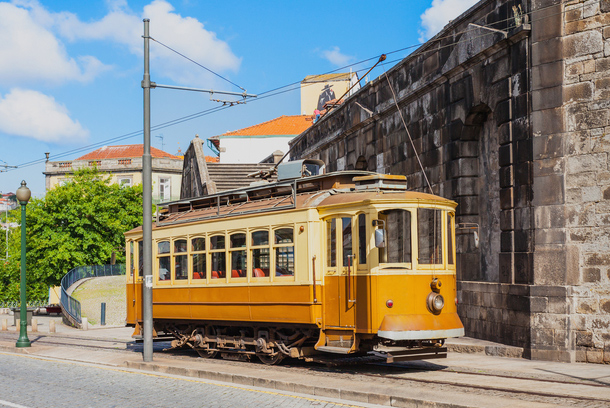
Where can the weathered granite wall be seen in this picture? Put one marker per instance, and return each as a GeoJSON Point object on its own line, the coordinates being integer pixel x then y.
{"type": "Point", "coordinates": [571, 146]}
{"type": "Point", "coordinates": [509, 115]}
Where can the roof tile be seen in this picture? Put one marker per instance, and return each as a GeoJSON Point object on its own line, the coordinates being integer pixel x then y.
{"type": "Point", "coordinates": [284, 125]}
{"type": "Point", "coordinates": [124, 152]}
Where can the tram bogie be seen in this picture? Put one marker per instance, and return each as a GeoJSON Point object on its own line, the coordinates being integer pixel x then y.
{"type": "Point", "coordinates": [341, 263]}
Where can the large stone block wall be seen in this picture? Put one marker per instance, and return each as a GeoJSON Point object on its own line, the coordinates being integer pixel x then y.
{"type": "Point", "coordinates": [464, 97]}
{"type": "Point", "coordinates": [578, 223]}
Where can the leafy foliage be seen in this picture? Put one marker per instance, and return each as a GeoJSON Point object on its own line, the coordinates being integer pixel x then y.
{"type": "Point", "coordinates": [79, 223]}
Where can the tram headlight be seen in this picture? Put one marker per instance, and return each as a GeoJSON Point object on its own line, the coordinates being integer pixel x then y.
{"type": "Point", "coordinates": [435, 302]}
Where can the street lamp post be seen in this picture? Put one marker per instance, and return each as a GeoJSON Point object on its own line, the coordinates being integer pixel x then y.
{"type": "Point", "coordinates": [23, 196]}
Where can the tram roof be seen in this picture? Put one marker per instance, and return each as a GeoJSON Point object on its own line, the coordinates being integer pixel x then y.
{"type": "Point", "coordinates": [327, 190]}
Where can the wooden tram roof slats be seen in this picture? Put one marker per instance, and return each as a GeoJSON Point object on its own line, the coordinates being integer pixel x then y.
{"type": "Point", "coordinates": [328, 190]}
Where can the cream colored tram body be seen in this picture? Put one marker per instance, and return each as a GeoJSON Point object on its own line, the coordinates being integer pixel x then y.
{"type": "Point", "coordinates": [342, 263]}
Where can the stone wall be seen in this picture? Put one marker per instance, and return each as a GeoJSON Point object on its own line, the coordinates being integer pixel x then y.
{"type": "Point", "coordinates": [509, 116]}
{"type": "Point", "coordinates": [585, 167]}
{"type": "Point", "coordinates": [464, 98]}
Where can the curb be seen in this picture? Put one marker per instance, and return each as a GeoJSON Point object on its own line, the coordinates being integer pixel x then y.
{"type": "Point", "coordinates": [345, 394]}
{"type": "Point", "coordinates": [495, 350]}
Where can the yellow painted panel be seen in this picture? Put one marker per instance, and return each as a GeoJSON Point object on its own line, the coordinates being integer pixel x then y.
{"type": "Point", "coordinates": [222, 294]}
{"type": "Point", "coordinates": [363, 304]}
{"type": "Point", "coordinates": [409, 294]}
{"type": "Point", "coordinates": [134, 312]}
{"type": "Point", "coordinates": [331, 301]}
{"type": "Point", "coordinates": [282, 313]}
{"type": "Point", "coordinates": [276, 293]}
{"type": "Point", "coordinates": [347, 308]}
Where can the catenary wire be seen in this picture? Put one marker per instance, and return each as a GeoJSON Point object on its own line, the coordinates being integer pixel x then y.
{"type": "Point", "coordinates": [196, 63]}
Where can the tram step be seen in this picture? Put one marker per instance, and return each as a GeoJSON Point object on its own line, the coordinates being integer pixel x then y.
{"type": "Point", "coordinates": [416, 354]}
{"type": "Point", "coordinates": [336, 350]}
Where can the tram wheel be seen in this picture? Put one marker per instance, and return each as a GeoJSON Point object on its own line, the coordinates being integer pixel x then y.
{"type": "Point", "coordinates": [203, 353]}
{"type": "Point", "coordinates": [270, 359]}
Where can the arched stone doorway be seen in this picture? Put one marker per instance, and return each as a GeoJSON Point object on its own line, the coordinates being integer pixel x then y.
{"type": "Point", "coordinates": [476, 189]}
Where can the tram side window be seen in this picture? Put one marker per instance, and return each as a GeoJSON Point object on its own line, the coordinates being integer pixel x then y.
{"type": "Point", "coordinates": [331, 243]}
{"type": "Point", "coordinates": [238, 256]}
{"type": "Point", "coordinates": [347, 241]}
{"type": "Point", "coordinates": [284, 252]}
{"type": "Point", "coordinates": [362, 241]}
{"type": "Point", "coordinates": [450, 229]}
{"type": "Point", "coordinates": [429, 236]}
{"type": "Point", "coordinates": [181, 264]}
{"type": "Point", "coordinates": [260, 254]}
{"type": "Point", "coordinates": [140, 259]}
{"type": "Point", "coordinates": [198, 255]}
{"type": "Point", "coordinates": [398, 227]}
{"type": "Point", "coordinates": [219, 264]}
{"type": "Point", "coordinates": [163, 260]}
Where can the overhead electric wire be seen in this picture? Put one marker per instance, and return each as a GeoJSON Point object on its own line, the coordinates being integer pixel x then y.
{"type": "Point", "coordinates": [272, 92]}
{"type": "Point", "coordinates": [196, 63]}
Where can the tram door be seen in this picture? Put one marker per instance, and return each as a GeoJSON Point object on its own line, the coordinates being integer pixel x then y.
{"type": "Point", "coordinates": [339, 279]}
{"type": "Point", "coordinates": [136, 272]}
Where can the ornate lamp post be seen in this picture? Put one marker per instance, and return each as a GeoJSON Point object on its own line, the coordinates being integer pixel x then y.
{"type": "Point", "coordinates": [23, 196]}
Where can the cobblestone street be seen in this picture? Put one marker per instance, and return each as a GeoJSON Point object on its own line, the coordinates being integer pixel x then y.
{"type": "Point", "coordinates": [38, 382]}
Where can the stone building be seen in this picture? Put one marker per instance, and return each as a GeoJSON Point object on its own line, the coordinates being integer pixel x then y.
{"type": "Point", "coordinates": [254, 143]}
{"type": "Point", "coordinates": [508, 109]}
{"type": "Point", "coordinates": [124, 165]}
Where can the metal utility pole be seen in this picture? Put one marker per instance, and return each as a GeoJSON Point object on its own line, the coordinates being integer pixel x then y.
{"type": "Point", "coordinates": [147, 191]}
{"type": "Point", "coordinates": [147, 208]}
{"type": "Point", "coordinates": [23, 196]}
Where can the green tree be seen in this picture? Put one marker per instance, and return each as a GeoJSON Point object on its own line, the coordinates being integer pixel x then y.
{"type": "Point", "coordinates": [79, 223]}
{"type": "Point", "coordinates": [9, 268]}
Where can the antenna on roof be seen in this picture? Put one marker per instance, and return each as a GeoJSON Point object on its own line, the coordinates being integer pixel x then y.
{"type": "Point", "coordinates": [162, 144]}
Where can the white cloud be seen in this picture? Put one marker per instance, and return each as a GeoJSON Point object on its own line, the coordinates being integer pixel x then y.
{"type": "Point", "coordinates": [30, 52]}
{"type": "Point", "coordinates": [439, 14]}
{"type": "Point", "coordinates": [186, 35]}
{"type": "Point", "coordinates": [38, 116]}
{"type": "Point", "coordinates": [335, 57]}
{"type": "Point", "coordinates": [31, 47]}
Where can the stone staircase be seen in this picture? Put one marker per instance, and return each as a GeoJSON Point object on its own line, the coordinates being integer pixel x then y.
{"type": "Point", "coordinates": [229, 176]}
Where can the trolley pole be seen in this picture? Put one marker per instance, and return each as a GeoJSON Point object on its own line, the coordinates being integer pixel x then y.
{"type": "Point", "coordinates": [147, 208]}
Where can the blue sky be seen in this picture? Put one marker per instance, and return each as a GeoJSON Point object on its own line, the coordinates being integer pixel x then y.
{"type": "Point", "coordinates": [70, 71]}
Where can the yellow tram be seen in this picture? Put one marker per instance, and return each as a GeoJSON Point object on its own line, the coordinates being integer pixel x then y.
{"type": "Point", "coordinates": [342, 263]}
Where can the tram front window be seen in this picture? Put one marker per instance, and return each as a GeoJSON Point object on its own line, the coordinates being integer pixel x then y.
{"type": "Point", "coordinates": [347, 240]}
{"type": "Point", "coordinates": [398, 240]}
{"type": "Point", "coordinates": [429, 237]}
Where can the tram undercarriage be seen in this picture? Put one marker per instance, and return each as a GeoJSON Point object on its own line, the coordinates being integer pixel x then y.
{"type": "Point", "coordinates": [271, 344]}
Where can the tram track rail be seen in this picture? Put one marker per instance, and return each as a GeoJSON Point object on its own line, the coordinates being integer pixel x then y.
{"type": "Point", "coordinates": [367, 370]}
{"type": "Point", "coordinates": [575, 400]}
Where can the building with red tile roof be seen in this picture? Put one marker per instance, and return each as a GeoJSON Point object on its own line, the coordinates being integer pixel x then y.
{"type": "Point", "coordinates": [124, 165]}
{"type": "Point", "coordinates": [255, 143]}
{"type": "Point", "coordinates": [124, 152]}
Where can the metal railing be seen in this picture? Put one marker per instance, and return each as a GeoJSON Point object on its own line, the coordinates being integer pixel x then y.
{"type": "Point", "coordinates": [70, 305]}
